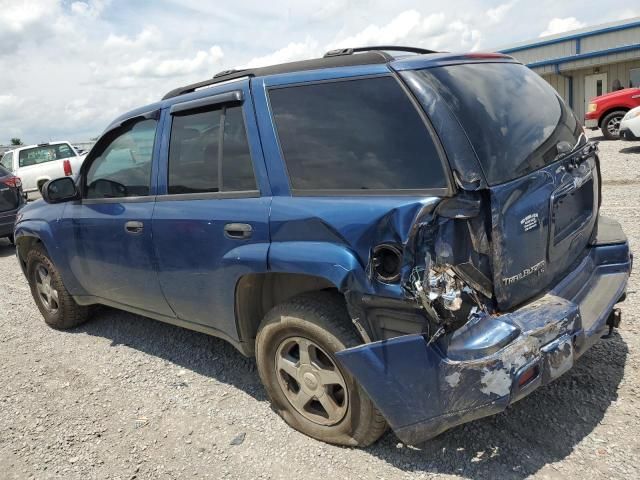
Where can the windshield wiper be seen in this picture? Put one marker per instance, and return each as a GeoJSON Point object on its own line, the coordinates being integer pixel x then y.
{"type": "Point", "coordinates": [564, 148]}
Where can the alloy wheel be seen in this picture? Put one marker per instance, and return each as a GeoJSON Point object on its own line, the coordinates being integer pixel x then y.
{"type": "Point", "coordinates": [613, 126]}
{"type": "Point", "coordinates": [47, 294]}
{"type": "Point", "coordinates": [311, 381]}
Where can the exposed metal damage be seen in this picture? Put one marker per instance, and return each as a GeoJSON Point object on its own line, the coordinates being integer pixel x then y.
{"type": "Point", "coordinates": [451, 283]}
{"type": "Point", "coordinates": [455, 348]}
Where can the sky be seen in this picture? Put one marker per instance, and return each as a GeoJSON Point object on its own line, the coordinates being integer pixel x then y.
{"type": "Point", "coordinates": [67, 68]}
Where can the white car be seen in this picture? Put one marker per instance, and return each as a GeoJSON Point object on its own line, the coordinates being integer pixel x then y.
{"type": "Point", "coordinates": [630, 125]}
{"type": "Point", "coordinates": [37, 164]}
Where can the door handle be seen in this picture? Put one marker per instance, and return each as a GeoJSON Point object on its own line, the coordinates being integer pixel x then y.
{"type": "Point", "coordinates": [238, 231]}
{"type": "Point", "coordinates": [133, 227]}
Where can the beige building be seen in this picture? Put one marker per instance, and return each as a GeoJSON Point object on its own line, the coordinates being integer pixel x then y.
{"type": "Point", "coordinates": [582, 64]}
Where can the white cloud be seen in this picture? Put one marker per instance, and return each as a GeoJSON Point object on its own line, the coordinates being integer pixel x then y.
{"type": "Point", "coordinates": [76, 64]}
{"type": "Point", "coordinates": [393, 32]}
{"type": "Point", "coordinates": [148, 36]}
{"type": "Point", "coordinates": [90, 9]}
{"type": "Point", "coordinates": [9, 101]}
{"type": "Point", "coordinates": [153, 67]}
{"type": "Point", "coordinates": [498, 13]}
{"type": "Point", "coordinates": [409, 28]}
{"type": "Point", "coordinates": [329, 8]}
{"type": "Point", "coordinates": [17, 16]}
{"type": "Point", "coordinates": [561, 25]}
{"type": "Point", "coordinates": [435, 32]}
{"type": "Point", "coordinates": [293, 51]}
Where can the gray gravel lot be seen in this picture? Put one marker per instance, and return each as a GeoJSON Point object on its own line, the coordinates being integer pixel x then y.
{"type": "Point", "coordinates": [127, 397]}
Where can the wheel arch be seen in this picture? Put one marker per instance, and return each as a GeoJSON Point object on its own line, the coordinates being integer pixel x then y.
{"type": "Point", "coordinates": [24, 243]}
{"type": "Point", "coordinates": [611, 110]}
{"type": "Point", "coordinates": [257, 293]}
{"type": "Point", "coordinates": [40, 181]}
{"type": "Point", "coordinates": [37, 232]}
{"type": "Point", "coordinates": [294, 268]}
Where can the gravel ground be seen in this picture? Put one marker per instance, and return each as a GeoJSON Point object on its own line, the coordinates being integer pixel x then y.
{"type": "Point", "coordinates": [127, 397]}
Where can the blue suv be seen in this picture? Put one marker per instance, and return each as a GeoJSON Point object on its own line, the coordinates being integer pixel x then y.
{"type": "Point", "coordinates": [400, 237]}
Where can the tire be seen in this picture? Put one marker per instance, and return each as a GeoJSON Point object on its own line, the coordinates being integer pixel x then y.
{"type": "Point", "coordinates": [55, 303]}
{"type": "Point", "coordinates": [610, 125]}
{"type": "Point", "coordinates": [320, 324]}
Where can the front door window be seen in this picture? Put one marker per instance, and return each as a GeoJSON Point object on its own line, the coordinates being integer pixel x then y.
{"type": "Point", "coordinates": [122, 167]}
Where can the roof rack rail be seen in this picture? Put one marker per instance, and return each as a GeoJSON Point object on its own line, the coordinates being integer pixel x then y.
{"type": "Point", "coordinates": [335, 58]}
{"type": "Point", "coordinates": [391, 48]}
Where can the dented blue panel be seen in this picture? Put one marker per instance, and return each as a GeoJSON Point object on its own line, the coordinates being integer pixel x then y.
{"type": "Point", "coordinates": [541, 225]}
{"type": "Point", "coordinates": [424, 389]}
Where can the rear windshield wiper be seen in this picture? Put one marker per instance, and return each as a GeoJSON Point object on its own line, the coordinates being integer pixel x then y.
{"type": "Point", "coordinates": [564, 148]}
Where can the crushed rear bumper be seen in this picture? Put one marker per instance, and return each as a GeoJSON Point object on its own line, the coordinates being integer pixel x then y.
{"type": "Point", "coordinates": [423, 390]}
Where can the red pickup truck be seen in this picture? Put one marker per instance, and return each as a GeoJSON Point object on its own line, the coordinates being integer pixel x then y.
{"type": "Point", "coordinates": [606, 111]}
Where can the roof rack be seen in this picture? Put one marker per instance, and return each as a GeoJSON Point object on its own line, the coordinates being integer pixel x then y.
{"type": "Point", "coordinates": [390, 48]}
{"type": "Point", "coordinates": [335, 58]}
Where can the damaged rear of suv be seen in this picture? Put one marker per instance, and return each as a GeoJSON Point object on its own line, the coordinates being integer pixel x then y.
{"type": "Point", "coordinates": [516, 273]}
{"type": "Point", "coordinates": [399, 236]}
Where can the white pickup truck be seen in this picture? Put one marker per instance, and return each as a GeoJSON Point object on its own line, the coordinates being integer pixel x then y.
{"type": "Point", "coordinates": [37, 164]}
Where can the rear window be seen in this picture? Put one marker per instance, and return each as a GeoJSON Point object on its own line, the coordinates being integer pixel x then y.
{"type": "Point", "coordinates": [43, 154]}
{"type": "Point", "coordinates": [4, 172]}
{"type": "Point", "coordinates": [360, 134]}
{"type": "Point", "coordinates": [513, 118]}
{"type": "Point", "coordinates": [7, 161]}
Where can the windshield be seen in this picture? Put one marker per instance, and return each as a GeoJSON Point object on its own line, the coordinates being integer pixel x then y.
{"type": "Point", "coordinates": [513, 118]}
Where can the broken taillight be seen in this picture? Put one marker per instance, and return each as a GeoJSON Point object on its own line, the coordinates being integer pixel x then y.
{"type": "Point", "coordinates": [528, 375]}
{"type": "Point", "coordinates": [67, 168]}
{"type": "Point", "coordinates": [13, 182]}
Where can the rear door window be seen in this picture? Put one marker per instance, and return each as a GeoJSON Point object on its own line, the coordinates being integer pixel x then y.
{"type": "Point", "coordinates": [355, 135]}
{"type": "Point", "coordinates": [209, 152]}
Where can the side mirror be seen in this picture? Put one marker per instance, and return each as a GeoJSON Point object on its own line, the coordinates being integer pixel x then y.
{"type": "Point", "coordinates": [59, 190]}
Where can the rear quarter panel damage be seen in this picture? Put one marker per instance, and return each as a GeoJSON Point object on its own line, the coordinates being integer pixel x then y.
{"type": "Point", "coordinates": [423, 389]}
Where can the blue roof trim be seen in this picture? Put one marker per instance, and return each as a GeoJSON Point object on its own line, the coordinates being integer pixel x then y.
{"type": "Point", "coordinates": [582, 56]}
{"type": "Point", "coordinates": [575, 36]}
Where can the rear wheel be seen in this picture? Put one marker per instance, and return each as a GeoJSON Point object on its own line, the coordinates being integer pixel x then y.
{"type": "Point", "coordinates": [610, 125]}
{"type": "Point", "coordinates": [52, 298]}
{"type": "Point", "coordinates": [295, 353]}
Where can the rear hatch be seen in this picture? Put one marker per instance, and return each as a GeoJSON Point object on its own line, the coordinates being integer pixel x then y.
{"type": "Point", "coordinates": [541, 174]}
{"type": "Point", "coordinates": [9, 193]}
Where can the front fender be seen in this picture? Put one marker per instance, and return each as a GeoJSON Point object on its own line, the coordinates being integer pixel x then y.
{"type": "Point", "coordinates": [29, 232]}
{"type": "Point", "coordinates": [335, 263]}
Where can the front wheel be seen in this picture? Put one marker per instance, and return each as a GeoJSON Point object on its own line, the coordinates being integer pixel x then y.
{"type": "Point", "coordinates": [52, 298]}
{"type": "Point", "coordinates": [295, 353]}
{"type": "Point", "coordinates": [611, 125]}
